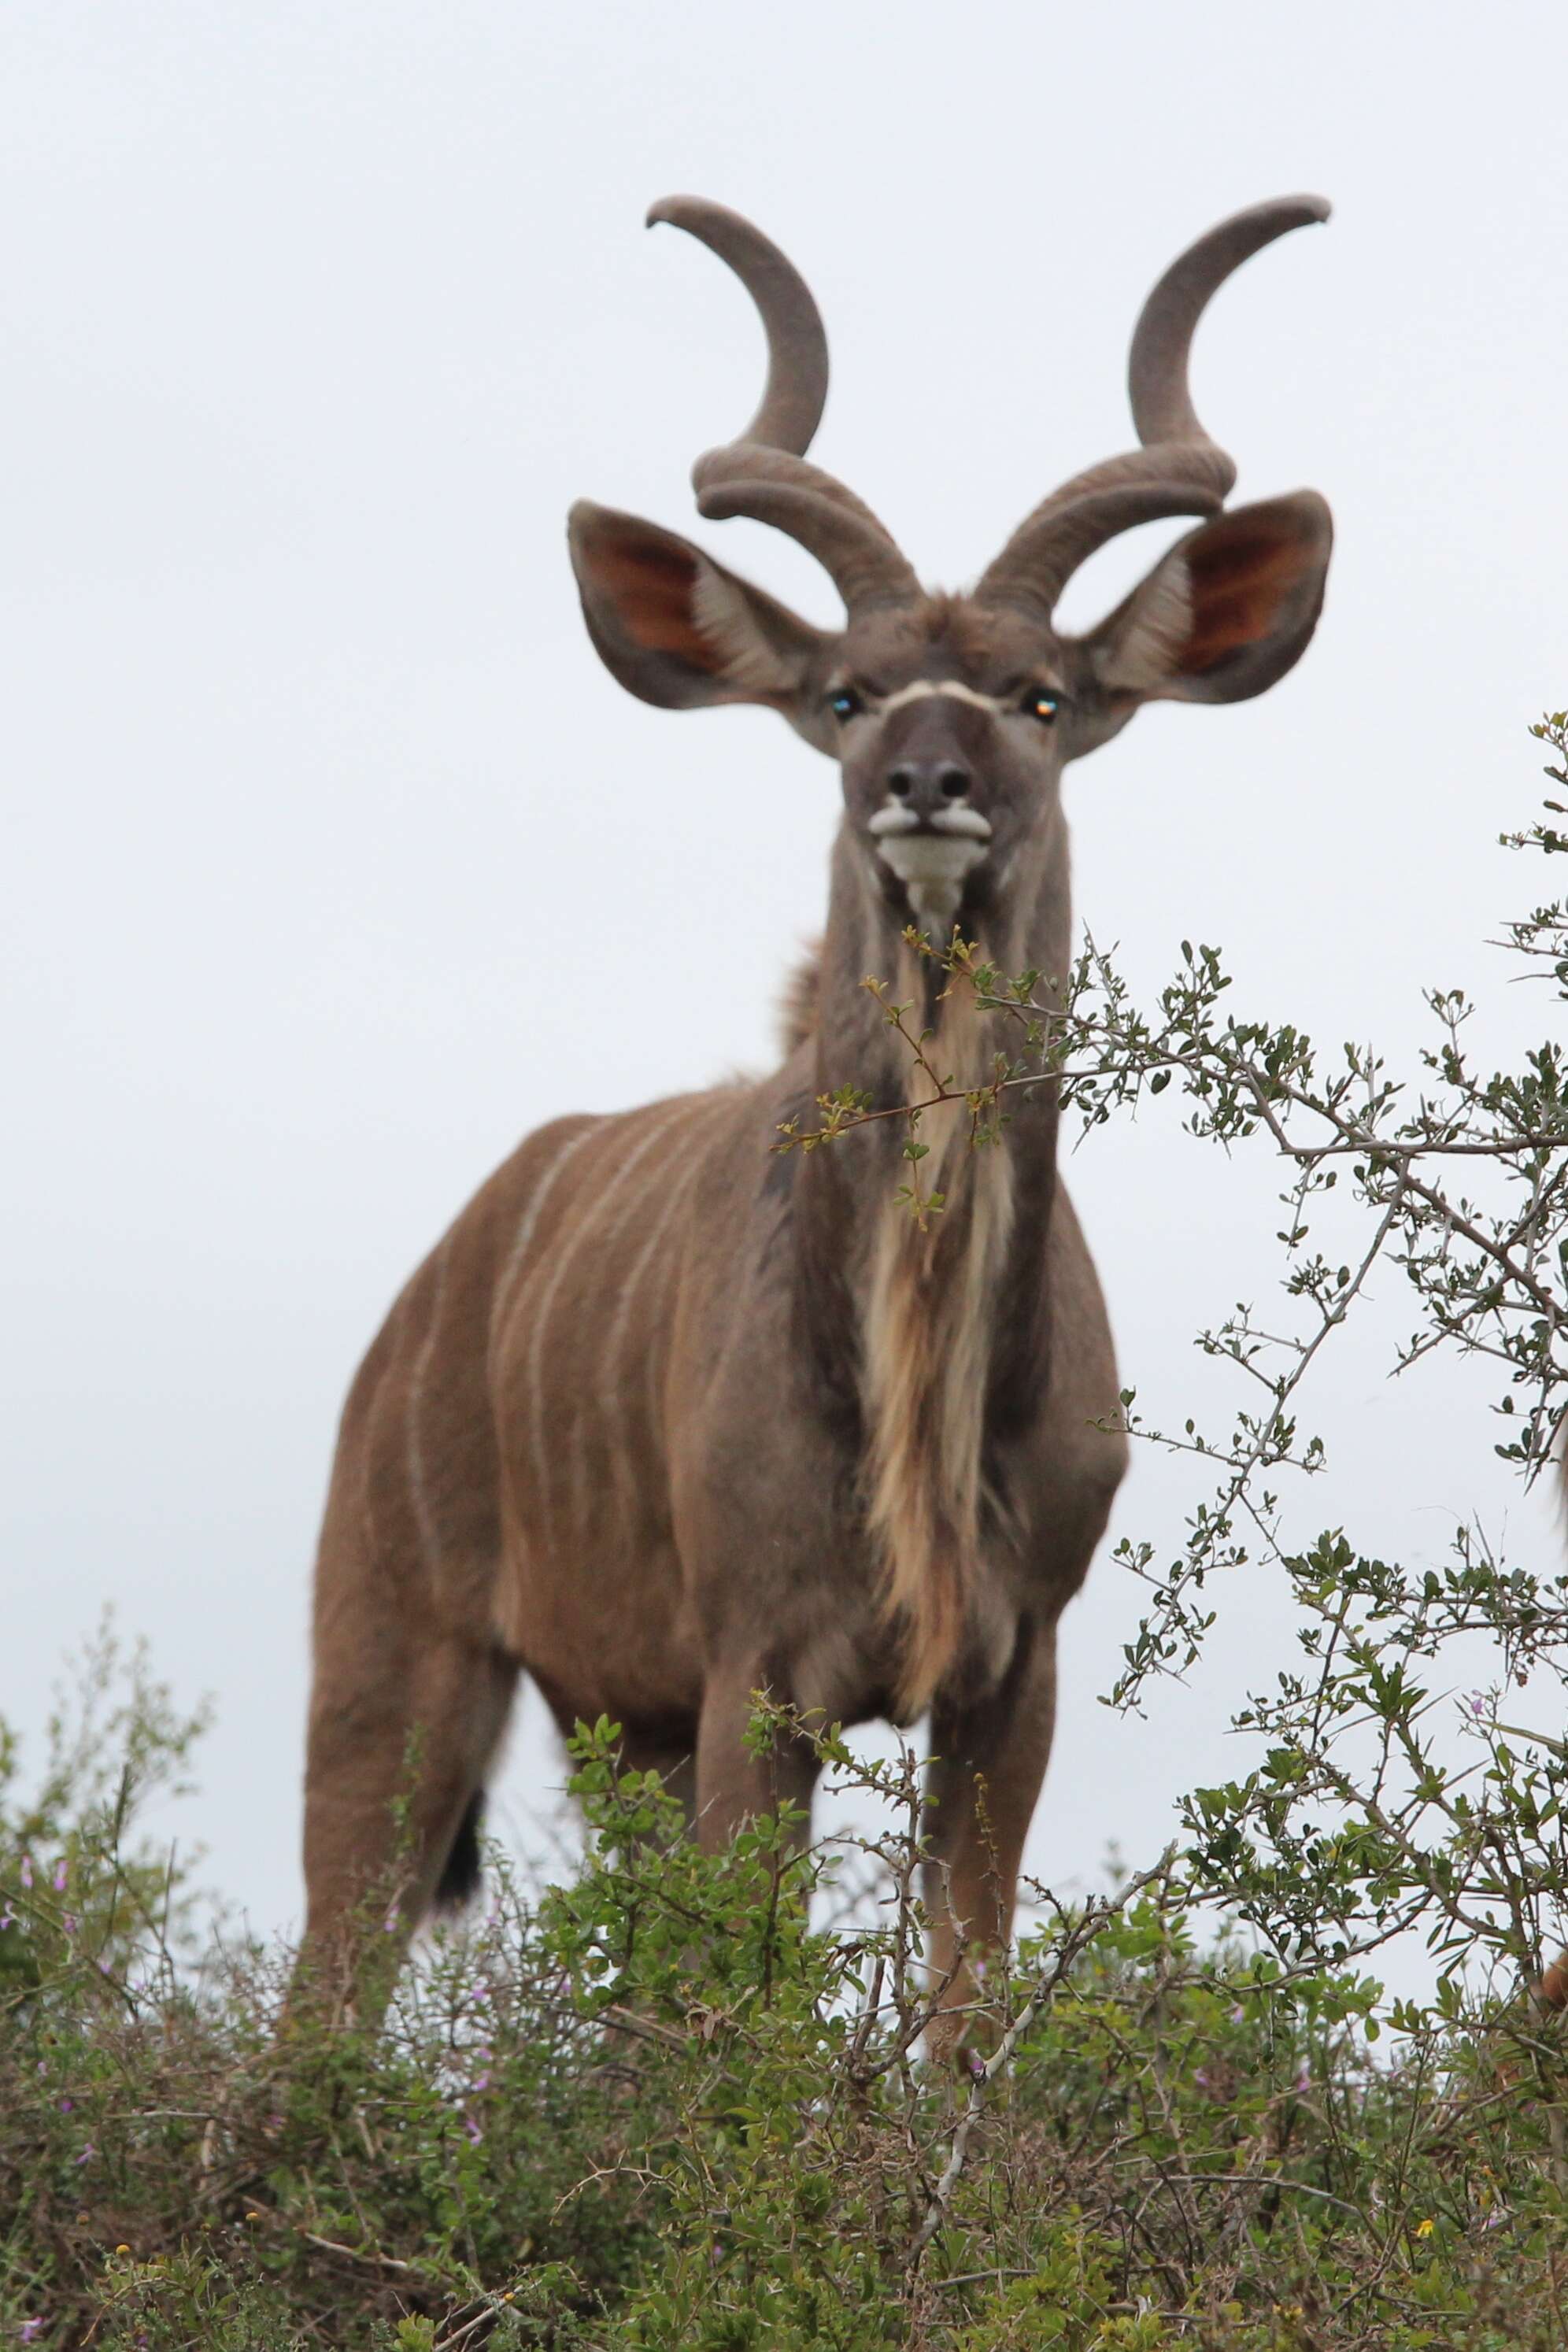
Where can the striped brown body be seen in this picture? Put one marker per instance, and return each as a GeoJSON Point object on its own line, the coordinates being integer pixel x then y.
{"type": "Point", "coordinates": [670, 1416]}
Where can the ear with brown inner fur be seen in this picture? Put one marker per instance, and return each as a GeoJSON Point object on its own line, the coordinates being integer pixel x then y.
{"type": "Point", "coordinates": [678, 629]}
{"type": "Point", "coordinates": [1223, 614]}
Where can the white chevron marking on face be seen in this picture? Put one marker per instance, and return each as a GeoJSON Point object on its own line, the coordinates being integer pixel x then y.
{"type": "Point", "coordinates": [960, 693]}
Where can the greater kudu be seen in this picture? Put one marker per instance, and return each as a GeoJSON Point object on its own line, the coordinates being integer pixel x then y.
{"type": "Point", "coordinates": [669, 1418]}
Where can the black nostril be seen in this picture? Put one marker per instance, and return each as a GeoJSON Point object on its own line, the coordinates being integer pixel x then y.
{"type": "Point", "coordinates": [954, 783]}
{"type": "Point", "coordinates": [900, 783]}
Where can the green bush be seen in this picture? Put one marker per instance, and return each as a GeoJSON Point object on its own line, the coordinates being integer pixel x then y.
{"type": "Point", "coordinates": [658, 2108]}
{"type": "Point", "coordinates": [655, 2108]}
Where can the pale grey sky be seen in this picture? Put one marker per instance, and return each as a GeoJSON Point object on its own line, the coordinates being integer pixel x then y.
{"type": "Point", "coordinates": [335, 861]}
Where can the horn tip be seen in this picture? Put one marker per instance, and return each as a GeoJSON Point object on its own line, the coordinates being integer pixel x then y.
{"type": "Point", "coordinates": [1298, 212]}
{"type": "Point", "coordinates": [676, 210]}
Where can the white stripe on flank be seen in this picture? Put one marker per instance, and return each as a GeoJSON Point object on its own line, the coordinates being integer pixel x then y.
{"type": "Point", "coordinates": [429, 1534]}
{"type": "Point", "coordinates": [542, 1313]}
{"type": "Point", "coordinates": [500, 1303]}
{"type": "Point", "coordinates": [611, 1378]}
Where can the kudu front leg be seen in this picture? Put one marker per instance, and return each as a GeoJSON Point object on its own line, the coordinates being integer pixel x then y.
{"type": "Point", "coordinates": [735, 1785]}
{"type": "Point", "coordinates": [988, 1760]}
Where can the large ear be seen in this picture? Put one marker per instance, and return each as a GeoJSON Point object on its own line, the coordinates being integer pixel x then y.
{"type": "Point", "coordinates": [679, 630]}
{"type": "Point", "coordinates": [1225, 612]}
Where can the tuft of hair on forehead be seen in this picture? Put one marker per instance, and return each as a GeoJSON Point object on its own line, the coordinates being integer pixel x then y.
{"type": "Point", "coordinates": [972, 636]}
{"type": "Point", "coordinates": [935, 612]}
{"type": "Point", "coordinates": [951, 621]}
{"type": "Point", "coordinates": [908, 632]}
{"type": "Point", "coordinates": [970, 631]}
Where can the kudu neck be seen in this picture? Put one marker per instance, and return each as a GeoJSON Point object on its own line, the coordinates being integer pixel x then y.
{"type": "Point", "coordinates": [1026, 924]}
{"type": "Point", "coordinates": [865, 1261]}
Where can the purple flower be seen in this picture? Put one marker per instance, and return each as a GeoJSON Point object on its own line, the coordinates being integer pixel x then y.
{"type": "Point", "coordinates": [89, 2152]}
{"type": "Point", "coordinates": [66, 2106]}
{"type": "Point", "coordinates": [472, 2129]}
{"type": "Point", "coordinates": [480, 1994]}
{"type": "Point", "coordinates": [1303, 2076]}
{"type": "Point", "coordinates": [28, 2330]}
{"type": "Point", "coordinates": [1238, 2015]}
{"type": "Point", "coordinates": [1477, 1704]}
{"type": "Point", "coordinates": [69, 1923]}
{"type": "Point", "coordinates": [1201, 2077]}
{"type": "Point", "coordinates": [61, 1876]}
{"type": "Point", "coordinates": [6, 1917]}
{"type": "Point", "coordinates": [27, 1881]}
{"type": "Point", "coordinates": [481, 2082]}
{"type": "Point", "coordinates": [977, 2064]}
{"type": "Point", "coordinates": [389, 1926]}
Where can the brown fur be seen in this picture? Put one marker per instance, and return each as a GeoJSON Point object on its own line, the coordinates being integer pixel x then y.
{"type": "Point", "coordinates": [668, 1417]}
{"type": "Point", "coordinates": [798, 1013]}
{"type": "Point", "coordinates": [928, 1346]}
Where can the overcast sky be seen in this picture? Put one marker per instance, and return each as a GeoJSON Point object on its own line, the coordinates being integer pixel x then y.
{"type": "Point", "coordinates": [335, 862]}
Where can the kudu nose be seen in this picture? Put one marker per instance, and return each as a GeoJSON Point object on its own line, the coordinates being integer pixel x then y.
{"type": "Point", "coordinates": [927, 785]}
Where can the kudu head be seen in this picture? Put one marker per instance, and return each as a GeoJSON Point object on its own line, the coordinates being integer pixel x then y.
{"type": "Point", "coordinates": [952, 717]}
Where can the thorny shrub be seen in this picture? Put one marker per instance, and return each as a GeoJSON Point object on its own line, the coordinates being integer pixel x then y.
{"type": "Point", "coordinates": [656, 2106]}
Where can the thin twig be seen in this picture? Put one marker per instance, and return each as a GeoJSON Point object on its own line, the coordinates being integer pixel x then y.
{"type": "Point", "coordinates": [352, 2254]}
{"type": "Point", "coordinates": [1076, 1941]}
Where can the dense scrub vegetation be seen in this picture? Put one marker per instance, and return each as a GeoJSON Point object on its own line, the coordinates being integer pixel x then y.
{"type": "Point", "coordinates": [680, 2102]}
{"type": "Point", "coordinates": [653, 2108]}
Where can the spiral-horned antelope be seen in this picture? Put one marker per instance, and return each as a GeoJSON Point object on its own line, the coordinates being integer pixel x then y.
{"type": "Point", "coordinates": [670, 1417]}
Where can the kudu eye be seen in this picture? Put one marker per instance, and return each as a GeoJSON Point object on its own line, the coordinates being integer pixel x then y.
{"type": "Point", "coordinates": [1041, 704]}
{"type": "Point", "coordinates": [844, 704]}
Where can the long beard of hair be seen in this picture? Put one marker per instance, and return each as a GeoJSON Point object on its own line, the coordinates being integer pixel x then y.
{"type": "Point", "coordinates": [930, 1316]}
